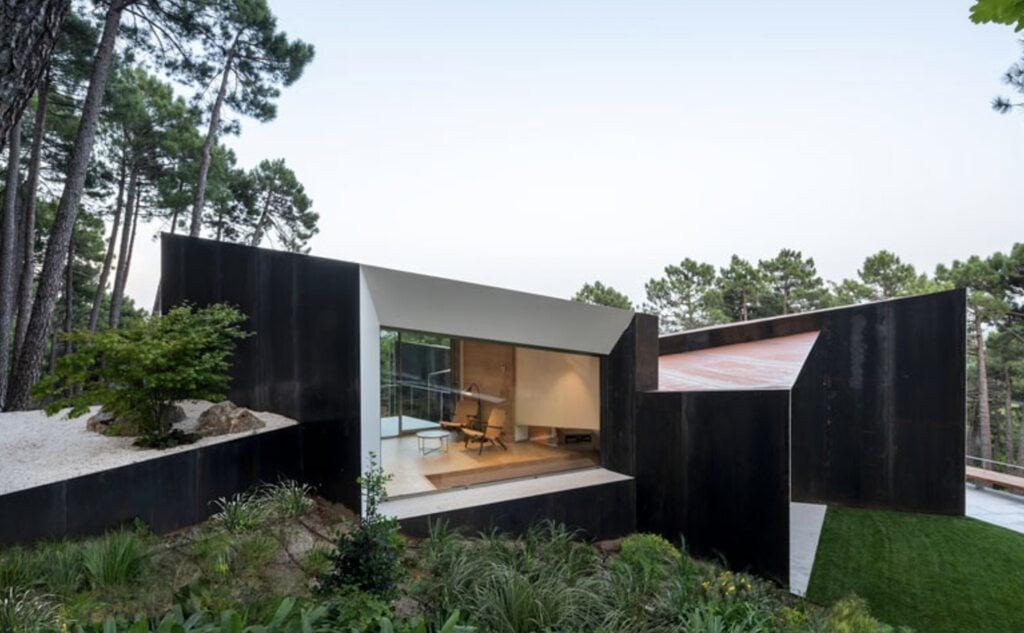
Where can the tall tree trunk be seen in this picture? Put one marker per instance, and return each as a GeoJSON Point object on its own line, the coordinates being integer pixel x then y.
{"type": "Point", "coordinates": [211, 137]}
{"type": "Point", "coordinates": [1008, 416]}
{"type": "Point", "coordinates": [53, 346]}
{"type": "Point", "coordinates": [257, 232]}
{"type": "Point", "coordinates": [69, 294]}
{"type": "Point", "coordinates": [28, 363]}
{"type": "Point", "coordinates": [984, 420]}
{"type": "Point", "coordinates": [28, 33]}
{"type": "Point", "coordinates": [28, 219]}
{"type": "Point", "coordinates": [8, 246]}
{"type": "Point", "coordinates": [120, 274]}
{"type": "Point", "coordinates": [108, 259]}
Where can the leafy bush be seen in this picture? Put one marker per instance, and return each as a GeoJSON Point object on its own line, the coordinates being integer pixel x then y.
{"type": "Point", "coordinates": [117, 559]}
{"type": "Point", "coordinates": [138, 372]}
{"type": "Point", "coordinates": [368, 556]}
{"type": "Point", "coordinates": [649, 555]}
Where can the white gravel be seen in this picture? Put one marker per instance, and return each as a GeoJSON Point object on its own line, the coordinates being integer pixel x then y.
{"type": "Point", "coordinates": [36, 449]}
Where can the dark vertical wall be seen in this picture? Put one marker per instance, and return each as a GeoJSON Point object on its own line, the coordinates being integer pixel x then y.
{"type": "Point", "coordinates": [631, 368]}
{"type": "Point", "coordinates": [879, 407]}
{"type": "Point", "coordinates": [713, 467]}
{"type": "Point", "coordinates": [303, 360]}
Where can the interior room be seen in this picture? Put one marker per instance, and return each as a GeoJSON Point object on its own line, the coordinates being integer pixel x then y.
{"type": "Point", "coordinates": [459, 412]}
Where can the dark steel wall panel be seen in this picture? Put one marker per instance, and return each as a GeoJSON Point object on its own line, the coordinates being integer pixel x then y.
{"type": "Point", "coordinates": [168, 492]}
{"type": "Point", "coordinates": [303, 360]}
{"type": "Point", "coordinates": [879, 410]}
{"type": "Point", "coordinates": [713, 467]}
{"type": "Point", "coordinates": [631, 368]}
{"type": "Point", "coordinates": [599, 512]}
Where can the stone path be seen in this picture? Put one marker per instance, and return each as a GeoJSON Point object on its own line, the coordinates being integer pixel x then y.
{"type": "Point", "coordinates": [995, 507]}
{"type": "Point", "coordinates": [805, 521]}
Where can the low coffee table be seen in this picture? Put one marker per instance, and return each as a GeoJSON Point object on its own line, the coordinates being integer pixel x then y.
{"type": "Point", "coordinates": [423, 437]}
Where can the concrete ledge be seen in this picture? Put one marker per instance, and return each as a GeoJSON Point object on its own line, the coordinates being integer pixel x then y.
{"type": "Point", "coordinates": [601, 503]}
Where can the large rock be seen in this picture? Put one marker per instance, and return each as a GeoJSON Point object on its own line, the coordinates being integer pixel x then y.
{"type": "Point", "coordinates": [174, 415]}
{"type": "Point", "coordinates": [100, 422]}
{"type": "Point", "coordinates": [225, 417]}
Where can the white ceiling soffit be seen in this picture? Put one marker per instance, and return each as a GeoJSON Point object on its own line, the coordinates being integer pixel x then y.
{"type": "Point", "coordinates": [443, 306]}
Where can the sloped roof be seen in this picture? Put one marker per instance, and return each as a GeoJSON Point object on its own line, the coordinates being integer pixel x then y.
{"type": "Point", "coordinates": [772, 363]}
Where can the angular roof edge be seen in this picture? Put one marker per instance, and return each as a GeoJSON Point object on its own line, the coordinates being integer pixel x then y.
{"type": "Point", "coordinates": [771, 327]}
{"type": "Point", "coordinates": [412, 301]}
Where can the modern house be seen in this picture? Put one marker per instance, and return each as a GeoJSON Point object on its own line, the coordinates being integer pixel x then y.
{"type": "Point", "coordinates": [494, 408]}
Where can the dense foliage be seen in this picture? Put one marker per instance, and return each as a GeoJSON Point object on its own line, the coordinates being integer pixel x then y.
{"type": "Point", "coordinates": [138, 372]}
{"type": "Point", "coordinates": [368, 555]}
{"type": "Point", "coordinates": [219, 579]}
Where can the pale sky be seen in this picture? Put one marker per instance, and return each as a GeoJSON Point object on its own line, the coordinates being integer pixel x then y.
{"type": "Point", "coordinates": [539, 144]}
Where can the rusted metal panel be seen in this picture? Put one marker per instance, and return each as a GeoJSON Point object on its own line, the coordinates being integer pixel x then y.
{"type": "Point", "coordinates": [771, 363]}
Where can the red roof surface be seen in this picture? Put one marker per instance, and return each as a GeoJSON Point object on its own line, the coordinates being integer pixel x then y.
{"type": "Point", "coordinates": [772, 363]}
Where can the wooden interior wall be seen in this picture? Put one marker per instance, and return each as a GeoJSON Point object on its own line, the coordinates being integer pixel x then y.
{"type": "Point", "coordinates": [492, 366]}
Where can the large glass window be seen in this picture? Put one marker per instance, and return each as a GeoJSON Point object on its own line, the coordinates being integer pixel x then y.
{"type": "Point", "coordinates": [460, 412]}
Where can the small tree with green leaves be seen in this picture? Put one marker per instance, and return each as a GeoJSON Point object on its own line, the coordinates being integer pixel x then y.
{"type": "Point", "coordinates": [369, 555]}
{"type": "Point", "coordinates": [137, 373]}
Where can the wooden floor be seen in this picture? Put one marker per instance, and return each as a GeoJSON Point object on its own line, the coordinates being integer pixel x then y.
{"type": "Point", "coordinates": [416, 473]}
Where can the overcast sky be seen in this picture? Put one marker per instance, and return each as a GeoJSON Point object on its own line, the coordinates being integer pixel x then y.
{"type": "Point", "coordinates": [540, 144]}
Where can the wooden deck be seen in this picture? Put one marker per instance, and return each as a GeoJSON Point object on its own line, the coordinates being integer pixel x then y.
{"type": "Point", "coordinates": [1003, 480]}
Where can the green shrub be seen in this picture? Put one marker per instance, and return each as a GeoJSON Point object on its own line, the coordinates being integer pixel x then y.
{"type": "Point", "coordinates": [289, 498]}
{"type": "Point", "coordinates": [242, 513]}
{"type": "Point", "coordinates": [25, 612]}
{"type": "Point", "coordinates": [138, 372]}
{"type": "Point", "coordinates": [649, 553]}
{"type": "Point", "coordinates": [368, 556]}
{"type": "Point", "coordinates": [116, 560]}
{"type": "Point", "coordinates": [850, 615]}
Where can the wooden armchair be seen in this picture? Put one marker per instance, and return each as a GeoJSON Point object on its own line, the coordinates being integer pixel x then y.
{"type": "Point", "coordinates": [466, 412]}
{"type": "Point", "coordinates": [490, 434]}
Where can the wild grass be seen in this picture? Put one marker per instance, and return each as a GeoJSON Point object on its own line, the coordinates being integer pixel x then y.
{"type": "Point", "coordinates": [243, 512]}
{"type": "Point", "coordinates": [23, 611]}
{"type": "Point", "coordinates": [115, 560]}
{"type": "Point", "coordinates": [288, 498]}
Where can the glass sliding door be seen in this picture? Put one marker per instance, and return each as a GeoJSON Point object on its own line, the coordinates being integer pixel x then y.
{"type": "Point", "coordinates": [416, 381]}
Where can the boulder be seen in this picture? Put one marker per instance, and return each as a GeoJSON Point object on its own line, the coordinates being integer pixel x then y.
{"type": "Point", "coordinates": [100, 422]}
{"type": "Point", "coordinates": [225, 417]}
{"type": "Point", "coordinates": [174, 415]}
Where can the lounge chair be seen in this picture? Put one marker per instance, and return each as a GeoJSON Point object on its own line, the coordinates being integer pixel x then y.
{"type": "Point", "coordinates": [491, 433]}
{"type": "Point", "coordinates": [466, 413]}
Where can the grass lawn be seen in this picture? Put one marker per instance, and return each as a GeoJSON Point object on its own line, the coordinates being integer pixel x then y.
{"type": "Point", "coordinates": [933, 573]}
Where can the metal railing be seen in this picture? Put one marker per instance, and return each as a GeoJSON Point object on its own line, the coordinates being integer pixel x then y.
{"type": "Point", "coordinates": [982, 462]}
